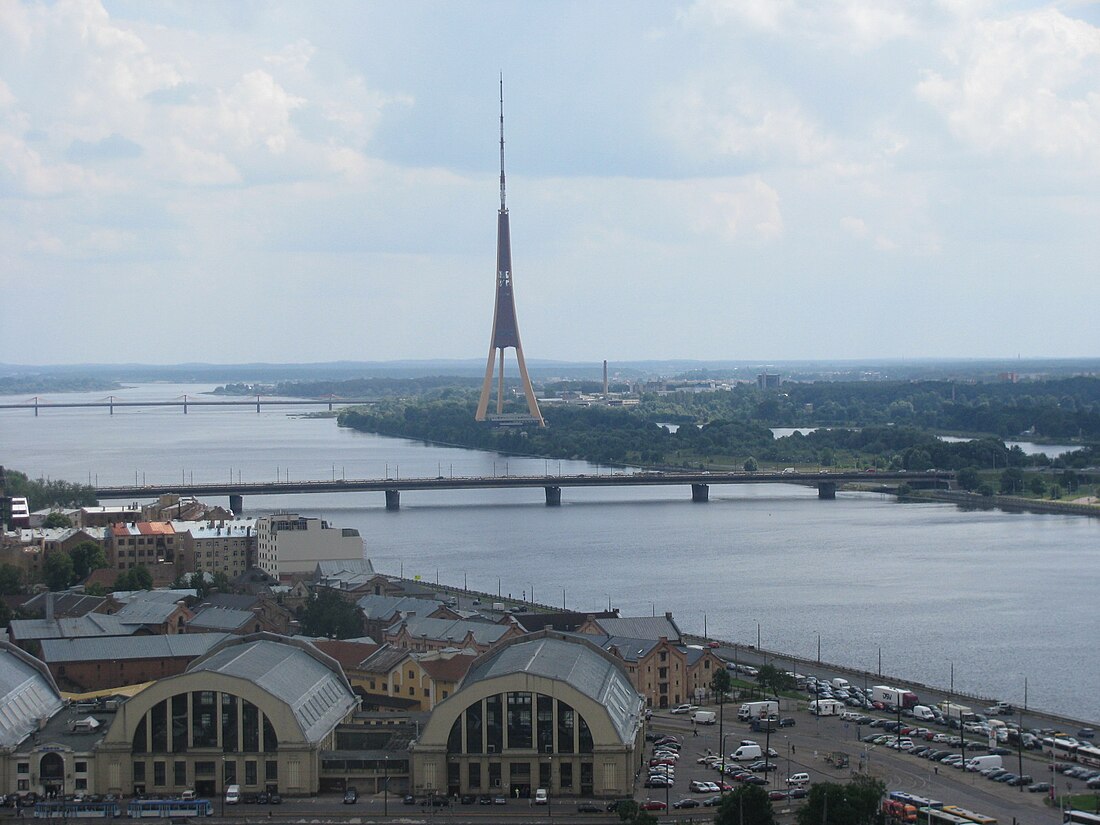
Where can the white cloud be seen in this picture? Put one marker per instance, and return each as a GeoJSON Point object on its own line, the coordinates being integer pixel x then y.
{"type": "Point", "coordinates": [852, 25]}
{"type": "Point", "coordinates": [739, 121]}
{"type": "Point", "coordinates": [1022, 86]}
{"type": "Point", "coordinates": [856, 227]}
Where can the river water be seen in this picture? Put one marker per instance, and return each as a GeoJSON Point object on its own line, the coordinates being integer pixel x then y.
{"type": "Point", "coordinates": [1003, 596]}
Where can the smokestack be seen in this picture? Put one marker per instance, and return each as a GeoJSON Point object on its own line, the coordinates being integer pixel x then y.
{"type": "Point", "coordinates": [605, 378]}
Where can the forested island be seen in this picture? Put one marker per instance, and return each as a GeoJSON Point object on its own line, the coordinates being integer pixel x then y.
{"type": "Point", "coordinates": [853, 425]}
{"type": "Point", "coordinates": [37, 384]}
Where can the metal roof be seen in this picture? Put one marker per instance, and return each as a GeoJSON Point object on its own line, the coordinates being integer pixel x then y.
{"type": "Point", "coordinates": [91, 624]}
{"type": "Point", "coordinates": [225, 618]}
{"type": "Point", "coordinates": [572, 660]}
{"type": "Point", "coordinates": [382, 607]}
{"type": "Point", "coordinates": [205, 529]}
{"type": "Point", "coordinates": [27, 694]}
{"type": "Point", "coordinates": [641, 627]}
{"type": "Point", "coordinates": [107, 648]}
{"type": "Point", "coordinates": [450, 630]}
{"type": "Point", "coordinates": [311, 683]}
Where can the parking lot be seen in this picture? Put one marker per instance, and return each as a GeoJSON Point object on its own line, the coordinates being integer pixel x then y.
{"type": "Point", "coordinates": [832, 749]}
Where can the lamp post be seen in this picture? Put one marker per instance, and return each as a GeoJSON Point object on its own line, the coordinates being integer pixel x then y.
{"type": "Point", "coordinates": [386, 788]}
{"type": "Point", "coordinates": [819, 648]}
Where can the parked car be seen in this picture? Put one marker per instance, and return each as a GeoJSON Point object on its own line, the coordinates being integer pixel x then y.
{"type": "Point", "coordinates": [684, 709]}
{"type": "Point", "coordinates": [687, 802]}
{"type": "Point", "coordinates": [654, 805]}
{"type": "Point", "coordinates": [274, 799]}
{"type": "Point", "coordinates": [712, 802]}
{"type": "Point", "coordinates": [786, 722]}
{"type": "Point", "coordinates": [1039, 787]}
{"type": "Point", "coordinates": [588, 808]}
{"type": "Point", "coordinates": [351, 795]}
{"type": "Point", "coordinates": [500, 799]}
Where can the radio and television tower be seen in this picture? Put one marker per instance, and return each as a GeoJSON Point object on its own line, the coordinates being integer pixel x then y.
{"type": "Point", "coordinates": [505, 325]}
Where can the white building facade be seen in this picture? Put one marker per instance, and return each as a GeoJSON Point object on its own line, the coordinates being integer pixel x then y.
{"type": "Point", "coordinates": [289, 543]}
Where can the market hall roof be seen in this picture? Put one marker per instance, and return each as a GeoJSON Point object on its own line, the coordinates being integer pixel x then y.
{"type": "Point", "coordinates": [27, 694]}
{"type": "Point", "coordinates": [296, 673]}
{"type": "Point", "coordinates": [570, 659]}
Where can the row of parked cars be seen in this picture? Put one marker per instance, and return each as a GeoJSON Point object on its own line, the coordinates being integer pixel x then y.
{"type": "Point", "coordinates": [1090, 776]}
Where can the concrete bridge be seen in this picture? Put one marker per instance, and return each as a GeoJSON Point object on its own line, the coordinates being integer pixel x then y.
{"type": "Point", "coordinates": [185, 401]}
{"type": "Point", "coordinates": [699, 482]}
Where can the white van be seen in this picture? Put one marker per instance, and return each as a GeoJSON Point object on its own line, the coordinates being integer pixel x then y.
{"type": "Point", "coordinates": [923, 712]}
{"type": "Point", "coordinates": [704, 717]}
{"type": "Point", "coordinates": [746, 753]}
{"type": "Point", "coordinates": [542, 797]}
{"type": "Point", "coordinates": [232, 794]}
{"type": "Point", "coordinates": [980, 763]}
{"type": "Point", "coordinates": [798, 780]}
{"type": "Point", "coordinates": [840, 684]}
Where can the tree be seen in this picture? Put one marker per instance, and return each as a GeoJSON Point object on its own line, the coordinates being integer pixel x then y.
{"type": "Point", "coordinates": [11, 580]}
{"type": "Point", "coordinates": [330, 616]}
{"type": "Point", "coordinates": [136, 578]}
{"type": "Point", "coordinates": [87, 556]}
{"type": "Point", "coordinates": [1012, 480]}
{"type": "Point", "coordinates": [221, 583]}
{"type": "Point", "coordinates": [721, 683]}
{"type": "Point", "coordinates": [746, 805]}
{"type": "Point", "coordinates": [968, 478]}
{"type": "Point", "coordinates": [985, 490]}
{"type": "Point", "coordinates": [771, 675]}
{"type": "Point", "coordinates": [57, 519]}
{"type": "Point", "coordinates": [631, 812]}
{"type": "Point", "coordinates": [199, 584]}
{"type": "Point", "coordinates": [750, 465]}
{"type": "Point", "coordinates": [1038, 486]}
{"type": "Point", "coordinates": [57, 570]}
{"type": "Point", "coordinates": [856, 803]}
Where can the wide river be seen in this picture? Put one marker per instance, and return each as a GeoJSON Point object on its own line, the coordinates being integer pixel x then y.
{"type": "Point", "coordinates": [1003, 597]}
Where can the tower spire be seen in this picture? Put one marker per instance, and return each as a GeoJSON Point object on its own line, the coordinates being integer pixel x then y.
{"type": "Point", "coordinates": [503, 208]}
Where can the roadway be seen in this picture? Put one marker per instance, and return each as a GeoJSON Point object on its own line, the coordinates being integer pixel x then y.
{"type": "Point", "coordinates": [621, 479]}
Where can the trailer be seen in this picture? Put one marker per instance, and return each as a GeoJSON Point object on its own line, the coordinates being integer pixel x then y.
{"type": "Point", "coordinates": [758, 710]}
{"type": "Point", "coordinates": [826, 707]}
{"type": "Point", "coordinates": [895, 697]}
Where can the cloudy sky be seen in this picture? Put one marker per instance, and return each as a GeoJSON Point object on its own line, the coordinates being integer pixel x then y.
{"type": "Point", "coordinates": [717, 179]}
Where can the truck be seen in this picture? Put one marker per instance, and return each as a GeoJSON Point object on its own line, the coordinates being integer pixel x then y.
{"type": "Point", "coordinates": [704, 717]}
{"type": "Point", "coordinates": [895, 697]}
{"type": "Point", "coordinates": [826, 707]}
{"type": "Point", "coordinates": [960, 713]}
{"type": "Point", "coordinates": [839, 684]}
{"type": "Point", "coordinates": [765, 725]}
{"type": "Point", "coordinates": [758, 710]}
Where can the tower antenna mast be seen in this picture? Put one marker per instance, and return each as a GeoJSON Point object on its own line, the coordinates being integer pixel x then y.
{"type": "Point", "coordinates": [502, 206]}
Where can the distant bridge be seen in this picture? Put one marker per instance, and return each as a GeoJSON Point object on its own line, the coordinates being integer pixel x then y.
{"type": "Point", "coordinates": [699, 482]}
{"type": "Point", "coordinates": [185, 401]}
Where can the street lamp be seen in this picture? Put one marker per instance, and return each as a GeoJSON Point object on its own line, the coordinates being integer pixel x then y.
{"type": "Point", "coordinates": [386, 788]}
{"type": "Point", "coordinates": [819, 648]}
